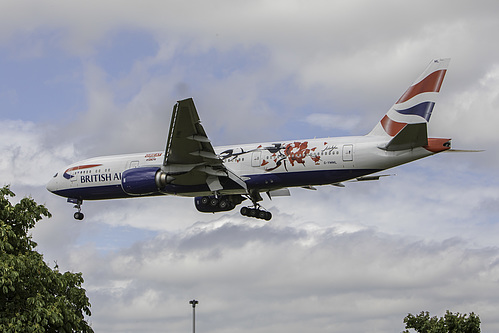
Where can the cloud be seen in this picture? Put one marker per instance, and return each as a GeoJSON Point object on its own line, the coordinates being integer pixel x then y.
{"type": "Point", "coordinates": [329, 121]}
{"type": "Point", "coordinates": [29, 155]}
{"type": "Point", "coordinates": [287, 277]}
{"type": "Point", "coordinates": [476, 108]}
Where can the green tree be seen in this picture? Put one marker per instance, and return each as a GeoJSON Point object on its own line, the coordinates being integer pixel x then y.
{"type": "Point", "coordinates": [450, 323]}
{"type": "Point", "coordinates": [34, 297]}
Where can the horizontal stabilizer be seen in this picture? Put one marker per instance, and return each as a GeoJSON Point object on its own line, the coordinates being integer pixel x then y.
{"type": "Point", "coordinates": [368, 178]}
{"type": "Point", "coordinates": [362, 179]}
{"type": "Point", "coordinates": [465, 150]}
{"type": "Point", "coordinates": [411, 136]}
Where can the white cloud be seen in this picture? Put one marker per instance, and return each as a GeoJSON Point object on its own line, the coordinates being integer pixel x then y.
{"type": "Point", "coordinates": [329, 121]}
{"type": "Point", "coordinates": [29, 155]}
{"type": "Point", "coordinates": [474, 111]}
{"type": "Point", "coordinates": [240, 272]}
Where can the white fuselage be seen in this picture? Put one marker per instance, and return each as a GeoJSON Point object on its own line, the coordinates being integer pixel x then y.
{"type": "Point", "coordinates": [263, 166]}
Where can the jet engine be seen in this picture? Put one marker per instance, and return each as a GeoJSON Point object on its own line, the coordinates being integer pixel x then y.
{"type": "Point", "coordinates": [213, 204]}
{"type": "Point", "coordinates": [143, 181]}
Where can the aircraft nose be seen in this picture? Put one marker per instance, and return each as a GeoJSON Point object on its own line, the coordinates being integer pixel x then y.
{"type": "Point", "coordinates": [52, 184]}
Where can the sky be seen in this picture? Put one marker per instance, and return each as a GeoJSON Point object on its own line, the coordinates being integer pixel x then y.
{"type": "Point", "coordinates": [84, 79]}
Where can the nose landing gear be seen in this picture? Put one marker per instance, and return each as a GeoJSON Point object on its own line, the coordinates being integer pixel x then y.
{"type": "Point", "coordinates": [78, 215]}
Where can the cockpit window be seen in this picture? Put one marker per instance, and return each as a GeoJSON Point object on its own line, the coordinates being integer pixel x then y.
{"type": "Point", "coordinates": [56, 174]}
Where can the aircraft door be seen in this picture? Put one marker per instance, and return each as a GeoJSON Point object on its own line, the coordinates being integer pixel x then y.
{"type": "Point", "coordinates": [348, 153]}
{"type": "Point", "coordinates": [256, 157]}
{"type": "Point", "coordinates": [73, 180]}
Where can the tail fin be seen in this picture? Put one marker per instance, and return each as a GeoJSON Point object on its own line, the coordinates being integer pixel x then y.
{"type": "Point", "coordinates": [415, 105]}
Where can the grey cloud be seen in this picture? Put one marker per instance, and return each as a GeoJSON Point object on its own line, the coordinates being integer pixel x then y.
{"type": "Point", "coordinates": [293, 278]}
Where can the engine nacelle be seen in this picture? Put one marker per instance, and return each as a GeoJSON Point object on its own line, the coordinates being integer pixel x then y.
{"type": "Point", "coordinates": [143, 181]}
{"type": "Point", "coordinates": [212, 204]}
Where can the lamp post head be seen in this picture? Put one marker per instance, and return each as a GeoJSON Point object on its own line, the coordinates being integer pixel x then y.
{"type": "Point", "coordinates": [193, 303]}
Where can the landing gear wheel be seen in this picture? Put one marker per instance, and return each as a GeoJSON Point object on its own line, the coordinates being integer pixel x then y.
{"type": "Point", "coordinates": [244, 211]}
{"type": "Point", "coordinates": [79, 216]}
{"type": "Point", "coordinates": [223, 204]}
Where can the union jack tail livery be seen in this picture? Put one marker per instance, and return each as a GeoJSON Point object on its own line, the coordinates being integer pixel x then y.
{"type": "Point", "coordinates": [407, 119]}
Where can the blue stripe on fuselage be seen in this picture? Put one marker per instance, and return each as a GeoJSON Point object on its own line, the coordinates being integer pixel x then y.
{"type": "Point", "coordinates": [297, 179]}
{"type": "Point", "coordinates": [94, 192]}
{"type": "Point", "coordinates": [262, 181]}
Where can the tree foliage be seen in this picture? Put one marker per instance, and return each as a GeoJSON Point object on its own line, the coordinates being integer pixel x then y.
{"type": "Point", "coordinates": [450, 323]}
{"type": "Point", "coordinates": [33, 296]}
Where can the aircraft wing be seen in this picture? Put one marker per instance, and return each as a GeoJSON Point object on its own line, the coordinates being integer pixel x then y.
{"type": "Point", "coordinates": [189, 157]}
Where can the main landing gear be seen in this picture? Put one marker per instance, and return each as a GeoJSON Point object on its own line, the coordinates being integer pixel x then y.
{"type": "Point", "coordinates": [78, 215]}
{"type": "Point", "coordinates": [256, 210]}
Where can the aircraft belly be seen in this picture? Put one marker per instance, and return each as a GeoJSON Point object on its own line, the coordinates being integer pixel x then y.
{"type": "Point", "coordinates": [228, 186]}
{"type": "Point", "coordinates": [94, 192]}
{"type": "Point", "coordinates": [296, 179]}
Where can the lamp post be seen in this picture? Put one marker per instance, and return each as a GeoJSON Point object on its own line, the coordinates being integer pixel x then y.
{"type": "Point", "coordinates": [193, 303]}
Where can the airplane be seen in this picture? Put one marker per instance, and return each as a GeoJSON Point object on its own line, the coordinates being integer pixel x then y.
{"type": "Point", "coordinates": [220, 178]}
